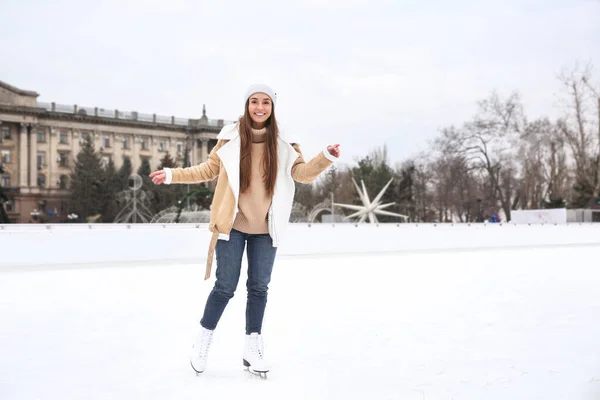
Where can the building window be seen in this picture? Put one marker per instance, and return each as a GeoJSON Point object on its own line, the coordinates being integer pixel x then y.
{"type": "Point", "coordinates": [179, 147]}
{"type": "Point", "coordinates": [85, 135]}
{"type": "Point", "coordinates": [6, 156]}
{"type": "Point", "coordinates": [105, 142]}
{"type": "Point", "coordinates": [144, 144]}
{"type": "Point", "coordinates": [63, 181]}
{"type": "Point", "coordinates": [5, 132]}
{"type": "Point", "coordinates": [6, 180]}
{"type": "Point", "coordinates": [127, 143]}
{"type": "Point", "coordinates": [162, 146]}
{"type": "Point", "coordinates": [41, 181]}
{"type": "Point", "coordinates": [64, 137]}
{"type": "Point", "coordinates": [10, 207]}
{"type": "Point", "coordinates": [41, 159]}
{"type": "Point", "coordinates": [63, 160]}
{"type": "Point", "coordinates": [104, 161]}
{"type": "Point", "coordinates": [41, 135]}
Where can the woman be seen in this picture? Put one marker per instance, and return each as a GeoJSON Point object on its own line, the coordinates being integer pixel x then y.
{"type": "Point", "coordinates": [256, 166]}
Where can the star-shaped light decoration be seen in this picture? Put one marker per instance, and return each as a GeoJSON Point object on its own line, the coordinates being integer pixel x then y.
{"type": "Point", "coordinates": [370, 208]}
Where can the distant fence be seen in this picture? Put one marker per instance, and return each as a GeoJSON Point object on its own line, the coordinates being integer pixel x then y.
{"type": "Point", "coordinates": [554, 216]}
{"type": "Point", "coordinates": [547, 216]}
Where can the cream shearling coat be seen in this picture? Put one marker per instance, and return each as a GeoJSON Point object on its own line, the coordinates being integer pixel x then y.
{"type": "Point", "coordinates": [224, 163]}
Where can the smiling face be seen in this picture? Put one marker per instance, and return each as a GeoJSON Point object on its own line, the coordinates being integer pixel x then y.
{"type": "Point", "coordinates": [260, 108]}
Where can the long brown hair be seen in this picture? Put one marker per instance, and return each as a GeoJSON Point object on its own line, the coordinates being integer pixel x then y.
{"type": "Point", "coordinates": [269, 162]}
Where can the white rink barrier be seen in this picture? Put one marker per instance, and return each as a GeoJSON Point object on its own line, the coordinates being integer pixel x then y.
{"type": "Point", "coordinates": [60, 244]}
{"type": "Point", "coordinates": [547, 216]}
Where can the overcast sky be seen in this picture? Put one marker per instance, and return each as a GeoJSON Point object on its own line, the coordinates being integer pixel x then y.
{"type": "Point", "coordinates": [359, 73]}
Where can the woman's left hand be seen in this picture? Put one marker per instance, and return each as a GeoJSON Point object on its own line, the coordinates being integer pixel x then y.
{"type": "Point", "coordinates": [334, 150]}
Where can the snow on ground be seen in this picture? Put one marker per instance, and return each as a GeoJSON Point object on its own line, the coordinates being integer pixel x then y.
{"type": "Point", "coordinates": [519, 324]}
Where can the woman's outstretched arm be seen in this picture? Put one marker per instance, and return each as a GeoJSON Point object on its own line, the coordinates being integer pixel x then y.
{"type": "Point", "coordinates": [206, 171]}
{"type": "Point", "coordinates": [306, 172]}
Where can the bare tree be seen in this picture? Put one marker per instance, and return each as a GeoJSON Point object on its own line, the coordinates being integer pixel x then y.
{"type": "Point", "coordinates": [454, 188]}
{"type": "Point", "coordinates": [465, 192]}
{"type": "Point", "coordinates": [485, 143]}
{"type": "Point", "coordinates": [543, 167]}
{"type": "Point", "coordinates": [423, 197]}
{"type": "Point", "coordinates": [442, 188]}
{"type": "Point", "coordinates": [337, 180]}
{"type": "Point", "coordinates": [580, 127]}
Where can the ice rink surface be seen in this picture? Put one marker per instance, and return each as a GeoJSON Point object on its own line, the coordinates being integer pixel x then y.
{"type": "Point", "coordinates": [485, 325]}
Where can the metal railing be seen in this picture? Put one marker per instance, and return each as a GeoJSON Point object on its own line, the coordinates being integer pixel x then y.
{"type": "Point", "coordinates": [125, 115]}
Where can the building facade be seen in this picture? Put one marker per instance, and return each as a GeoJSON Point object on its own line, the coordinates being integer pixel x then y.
{"type": "Point", "coordinates": [40, 141]}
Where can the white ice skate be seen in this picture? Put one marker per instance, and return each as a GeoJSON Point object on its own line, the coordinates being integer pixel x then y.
{"type": "Point", "coordinates": [200, 348]}
{"type": "Point", "coordinates": [254, 356]}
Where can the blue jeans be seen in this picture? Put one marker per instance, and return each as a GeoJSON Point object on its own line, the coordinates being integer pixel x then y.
{"type": "Point", "coordinates": [261, 256]}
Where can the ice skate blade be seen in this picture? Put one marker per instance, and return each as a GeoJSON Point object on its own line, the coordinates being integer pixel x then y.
{"type": "Point", "coordinates": [262, 375]}
{"type": "Point", "coordinates": [248, 367]}
{"type": "Point", "coordinates": [197, 372]}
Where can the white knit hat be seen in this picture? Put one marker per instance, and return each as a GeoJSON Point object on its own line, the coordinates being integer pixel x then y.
{"type": "Point", "coordinates": [260, 88]}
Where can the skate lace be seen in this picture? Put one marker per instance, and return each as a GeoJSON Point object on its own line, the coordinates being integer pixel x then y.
{"type": "Point", "coordinates": [205, 340]}
{"type": "Point", "coordinates": [258, 347]}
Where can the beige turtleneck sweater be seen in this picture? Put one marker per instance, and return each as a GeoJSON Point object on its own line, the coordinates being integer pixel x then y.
{"type": "Point", "coordinates": [254, 204]}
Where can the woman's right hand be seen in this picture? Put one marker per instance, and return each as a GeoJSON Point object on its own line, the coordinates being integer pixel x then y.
{"type": "Point", "coordinates": [158, 177]}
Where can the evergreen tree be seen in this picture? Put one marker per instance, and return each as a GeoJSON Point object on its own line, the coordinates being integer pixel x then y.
{"type": "Point", "coordinates": [199, 195]}
{"type": "Point", "coordinates": [87, 182]}
{"type": "Point", "coordinates": [3, 216]}
{"type": "Point", "coordinates": [405, 190]}
{"type": "Point", "coordinates": [166, 196]}
{"type": "Point", "coordinates": [147, 186]}
{"type": "Point", "coordinates": [554, 203]}
{"type": "Point", "coordinates": [167, 162]}
{"type": "Point", "coordinates": [375, 172]}
{"type": "Point", "coordinates": [112, 187]}
{"type": "Point", "coordinates": [584, 186]}
{"type": "Point", "coordinates": [144, 171]}
{"type": "Point", "coordinates": [124, 172]}
{"type": "Point", "coordinates": [3, 198]}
